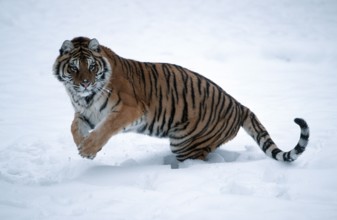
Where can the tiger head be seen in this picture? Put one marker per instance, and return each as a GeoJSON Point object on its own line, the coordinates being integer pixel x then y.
{"type": "Point", "coordinates": [81, 67]}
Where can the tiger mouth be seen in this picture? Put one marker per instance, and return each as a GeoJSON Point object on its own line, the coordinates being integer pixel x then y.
{"type": "Point", "coordinates": [85, 93]}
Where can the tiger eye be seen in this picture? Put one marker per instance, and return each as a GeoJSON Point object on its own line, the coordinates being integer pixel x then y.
{"type": "Point", "coordinates": [72, 68]}
{"type": "Point", "coordinates": [92, 67]}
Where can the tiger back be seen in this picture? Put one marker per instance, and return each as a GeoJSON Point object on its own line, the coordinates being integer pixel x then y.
{"type": "Point", "coordinates": [111, 94]}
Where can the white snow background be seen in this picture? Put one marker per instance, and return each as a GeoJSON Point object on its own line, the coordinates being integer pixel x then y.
{"type": "Point", "coordinates": [278, 57]}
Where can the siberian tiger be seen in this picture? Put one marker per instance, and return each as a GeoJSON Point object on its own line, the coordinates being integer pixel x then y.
{"type": "Point", "coordinates": [111, 94]}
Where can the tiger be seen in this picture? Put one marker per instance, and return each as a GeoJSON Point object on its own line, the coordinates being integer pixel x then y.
{"type": "Point", "coordinates": [111, 95]}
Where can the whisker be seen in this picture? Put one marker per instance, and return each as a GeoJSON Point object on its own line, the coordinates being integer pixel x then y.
{"type": "Point", "coordinates": [107, 90]}
{"type": "Point", "coordinates": [104, 91]}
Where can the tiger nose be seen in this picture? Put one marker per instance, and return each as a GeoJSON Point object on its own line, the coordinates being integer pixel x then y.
{"type": "Point", "coordinates": [85, 83]}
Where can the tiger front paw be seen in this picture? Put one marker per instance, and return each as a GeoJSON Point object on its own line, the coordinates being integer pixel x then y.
{"type": "Point", "coordinates": [86, 154]}
{"type": "Point", "coordinates": [88, 148]}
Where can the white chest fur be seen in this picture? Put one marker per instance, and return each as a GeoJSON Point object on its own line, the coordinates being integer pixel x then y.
{"type": "Point", "coordinates": [94, 110]}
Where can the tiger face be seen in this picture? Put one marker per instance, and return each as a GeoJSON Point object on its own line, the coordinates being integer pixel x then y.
{"type": "Point", "coordinates": [82, 69]}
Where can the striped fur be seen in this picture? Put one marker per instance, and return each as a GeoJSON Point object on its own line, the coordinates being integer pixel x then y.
{"type": "Point", "coordinates": [111, 94]}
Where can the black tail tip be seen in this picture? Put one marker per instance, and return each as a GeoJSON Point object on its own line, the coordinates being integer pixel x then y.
{"type": "Point", "coordinates": [301, 122]}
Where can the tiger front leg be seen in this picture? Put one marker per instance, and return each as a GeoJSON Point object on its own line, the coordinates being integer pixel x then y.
{"type": "Point", "coordinates": [114, 123]}
{"type": "Point", "coordinates": [90, 145]}
{"type": "Point", "coordinates": [79, 128]}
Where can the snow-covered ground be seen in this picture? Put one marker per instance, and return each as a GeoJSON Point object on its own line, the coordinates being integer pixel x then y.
{"type": "Point", "coordinates": [278, 57]}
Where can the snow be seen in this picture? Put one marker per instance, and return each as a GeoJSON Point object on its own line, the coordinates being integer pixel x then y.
{"type": "Point", "coordinates": [279, 58]}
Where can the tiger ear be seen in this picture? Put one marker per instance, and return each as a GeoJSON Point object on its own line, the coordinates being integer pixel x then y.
{"type": "Point", "coordinates": [67, 46]}
{"type": "Point", "coordinates": [94, 45]}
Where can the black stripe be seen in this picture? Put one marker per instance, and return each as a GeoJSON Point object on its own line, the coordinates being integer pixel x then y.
{"type": "Point", "coordinates": [216, 109]}
{"type": "Point", "coordinates": [244, 112]}
{"type": "Point", "coordinates": [143, 129]}
{"type": "Point", "coordinates": [155, 76]}
{"type": "Point", "coordinates": [192, 92]}
{"type": "Point", "coordinates": [86, 120]}
{"type": "Point", "coordinates": [181, 127]}
{"type": "Point", "coordinates": [199, 85]}
{"type": "Point", "coordinates": [275, 152]}
{"type": "Point", "coordinates": [267, 144]}
{"type": "Point", "coordinates": [89, 99]}
{"type": "Point", "coordinates": [207, 88]}
{"type": "Point", "coordinates": [301, 123]}
{"type": "Point", "coordinates": [287, 157]}
{"type": "Point", "coordinates": [160, 104]}
{"type": "Point", "coordinates": [167, 74]}
{"type": "Point", "coordinates": [184, 117]}
{"type": "Point", "coordinates": [142, 75]}
{"type": "Point", "coordinates": [299, 149]}
{"type": "Point", "coordinates": [223, 102]}
{"type": "Point", "coordinates": [213, 113]}
{"type": "Point", "coordinates": [158, 132]}
{"type": "Point", "coordinates": [105, 103]}
{"type": "Point", "coordinates": [228, 128]}
{"type": "Point", "coordinates": [261, 135]}
{"type": "Point", "coordinates": [117, 103]}
{"type": "Point", "coordinates": [175, 88]}
{"type": "Point", "coordinates": [305, 136]}
{"type": "Point", "coordinates": [152, 123]}
{"type": "Point", "coordinates": [147, 65]}
{"type": "Point", "coordinates": [125, 65]}
{"type": "Point", "coordinates": [163, 122]}
{"type": "Point", "coordinates": [173, 112]}
{"type": "Point", "coordinates": [185, 79]}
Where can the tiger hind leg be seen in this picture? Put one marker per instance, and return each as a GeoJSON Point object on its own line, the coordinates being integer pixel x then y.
{"type": "Point", "coordinates": [194, 154]}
